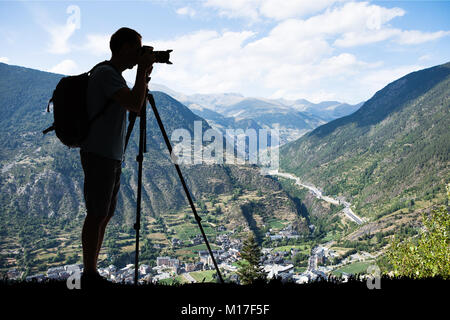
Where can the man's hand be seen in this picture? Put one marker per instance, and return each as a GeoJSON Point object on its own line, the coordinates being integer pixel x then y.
{"type": "Point", "coordinates": [148, 71]}
{"type": "Point", "coordinates": [133, 100]}
{"type": "Point", "coordinates": [146, 59]}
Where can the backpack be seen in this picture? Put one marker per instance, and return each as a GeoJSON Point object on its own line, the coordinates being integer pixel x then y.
{"type": "Point", "coordinates": [71, 121]}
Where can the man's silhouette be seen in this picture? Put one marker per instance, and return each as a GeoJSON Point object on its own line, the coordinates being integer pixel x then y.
{"type": "Point", "coordinates": [103, 150]}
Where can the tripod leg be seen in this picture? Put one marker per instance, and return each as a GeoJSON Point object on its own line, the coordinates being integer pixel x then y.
{"type": "Point", "coordinates": [197, 217]}
{"type": "Point", "coordinates": [139, 159]}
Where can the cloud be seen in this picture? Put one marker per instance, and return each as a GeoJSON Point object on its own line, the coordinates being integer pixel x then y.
{"type": "Point", "coordinates": [354, 23]}
{"type": "Point", "coordinates": [214, 62]}
{"type": "Point", "coordinates": [352, 39]}
{"type": "Point", "coordinates": [97, 44]}
{"type": "Point", "coordinates": [425, 57]}
{"type": "Point", "coordinates": [417, 37]}
{"type": "Point", "coordinates": [59, 38]}
{"type": "Point", "coordinates": [235, 8]}
{"type": "Point", "coordinates": [353, 17]}
{"type": "Point", "coordinates": [204, 59]}
{"type": "Point", "coordinates": [281, 10]}
{"type": "Point", "coordinates": [59, 33]}
{"type": "Point", "coordinates": [66, 67]}
{"type": "Point", "coordinates": [403, 37]}
{"type": "Point", "coordinates": [4, 59]}
{"type": "Point", "coordinates": [377, 79]}
{"type": "Point", "coordinates": [298, 58]}
{"type": "Point", "coordinates": [273, 9]}
{"type": "Point", "coordinates": [186, 11]}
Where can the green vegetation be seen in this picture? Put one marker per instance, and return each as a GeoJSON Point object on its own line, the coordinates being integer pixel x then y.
{"type": "Point", "coordinates": [250, 268]}
{"type": "Point", "coordinates": [41, 201]}
{"type": "Point", "coordinates": [302, 247]}
{"type": "Point", "coordinates": [429, 254]}
{"type": "Point", "coordinates": [173, 281]}
{"type": "Point", "coordinates": [327, 223]}
{"type": "Point", "coordinates": [391, 153]}
{"type": "Point", "coordinates": [354, 268]}
{"type": "Point", "coordinates": [204, 276]}
{"type": "Point", "coordinates": [390, 158]}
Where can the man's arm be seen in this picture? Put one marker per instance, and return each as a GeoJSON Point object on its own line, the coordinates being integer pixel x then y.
{"type": "Point", "coordinates": [133, 99]}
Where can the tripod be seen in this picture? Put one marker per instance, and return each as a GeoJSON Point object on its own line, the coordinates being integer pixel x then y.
{"type": "Point", "coordinates": [139, 159]}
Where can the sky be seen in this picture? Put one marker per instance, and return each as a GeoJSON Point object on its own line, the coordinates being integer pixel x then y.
{"type": "Point", "coordinates": [317, 50]}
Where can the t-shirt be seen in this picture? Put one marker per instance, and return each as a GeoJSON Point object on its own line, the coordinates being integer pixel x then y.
{"type": "Point", "coordinates": [107, 133]}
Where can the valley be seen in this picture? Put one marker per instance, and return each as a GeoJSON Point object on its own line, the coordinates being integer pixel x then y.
{"type": "Point", "coordinates": [349, 180]}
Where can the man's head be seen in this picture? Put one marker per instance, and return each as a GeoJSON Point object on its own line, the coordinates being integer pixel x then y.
{"type": "Point", "coordinates": [125, 45]}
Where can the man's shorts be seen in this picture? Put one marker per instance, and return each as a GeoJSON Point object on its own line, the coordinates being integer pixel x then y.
{"type": "Point", "coordinates": [101, 183]}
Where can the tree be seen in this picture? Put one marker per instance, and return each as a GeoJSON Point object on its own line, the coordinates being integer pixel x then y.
{"type": "Point", "coordinates": [250, 268]}
{"type": "Point", "coordinates": [299, 258]}
{"type": "Point", "coordinates": [430, 255]}
{"type": "Point", "coordinates": [72, 259]}
{"type": "Point", "coordinates": [217, 211]}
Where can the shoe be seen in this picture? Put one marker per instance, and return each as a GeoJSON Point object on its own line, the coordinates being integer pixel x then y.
{"type": "Point", "coordinates": [94, 281]}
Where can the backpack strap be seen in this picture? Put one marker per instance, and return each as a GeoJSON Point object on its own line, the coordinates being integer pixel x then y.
{"type": "Point", "coordinates": [109, 101]}
{"type": "Point", "coordinates": [101, 112]}
{"type": "Point", "coordinates": [131, 120]}
{"type": "Point", "coordinates": [106, 62]}
{"type": "Point", "coordinates": [48, 105]}
{"type": "Point", "coordinates": [51, 128]}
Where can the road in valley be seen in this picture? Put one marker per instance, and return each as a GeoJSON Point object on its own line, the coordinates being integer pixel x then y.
{"type": "Point", "coordinates": [318, 194]}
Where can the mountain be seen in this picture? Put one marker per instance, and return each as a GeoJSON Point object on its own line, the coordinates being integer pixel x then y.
{"type": "Point", "coordinates": [213, 101]}
{"type": "Point", "coordinates": [326, 110]}
{"type": "Point", "coordinates": [260, 113]}
{"type": "Point", "coordinates": [159, 87]}
{"type": "Point", "coordinates": [221, 122]}
{"type": "Point", "coordinates": [41, 188]}
{"type": "Point", "coordinates": [290, 123]}
{"type": "Point", "coordinates": [41, 177]}
{"type": "Point", "coordinates": [292, 117]}
{"type": "Point", "coordinates": [392, 153]}
{"type": "Point", "coordinates": [199, 101]}
{"type": "Point", "coordinates": [330, 110]}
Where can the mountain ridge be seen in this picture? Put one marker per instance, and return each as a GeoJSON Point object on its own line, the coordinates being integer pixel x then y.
{"type": "Point", "coordinates": [293, 117]}
{"type": "Point", "coordinates": [40, 175]}
{"type": "Point", "coordinates": [393, 149]}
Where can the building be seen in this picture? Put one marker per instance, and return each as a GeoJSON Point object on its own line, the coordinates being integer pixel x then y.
{"type": "Point", "coordinates": [176, 242]}
{"type": "Point", "coordinates": [144, 269]}
{"type": "Point", "coordinates": [162, 261]}
{"type": "Point", "coordinates": [197, 239]}
{"type": "Point", "coordinates": [190, 267]}
{"type": "Point", "coordinates": [161, 276]}
{"type": "Point", "coordinates": [206, 259]}
{"type": "Point", "coordinates": [228, 267]}
{"type": "Point", "coordinates": [300, 278]}
{"type": "Point", "coordinates": [14, 274]}
{"type": "Point", "coordinates": [55, 270]}
{"type": "Point", "coordinates": [37, 277]}
{"type": "Point", "coordinates": [276, 237]}
{"type": "Point", "coordinates": [276, 270]}
{"type": "Point", "coordinates": [199, 266]}
{"type": "Point", "coordinates": [167, 262]}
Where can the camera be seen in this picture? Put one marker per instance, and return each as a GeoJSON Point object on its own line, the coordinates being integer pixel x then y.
{"type": "Point", "coordinates": [160, 56]}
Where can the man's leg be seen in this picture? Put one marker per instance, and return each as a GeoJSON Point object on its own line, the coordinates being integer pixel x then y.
{"type": "Point", "coordinates": [99, 184]}
{"type": "Point", "coordinates": [112, 206]}
{"type": "Point", "coordinates": [90, 237]}
{"type": "Point", "coordinates": [101, 235]}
